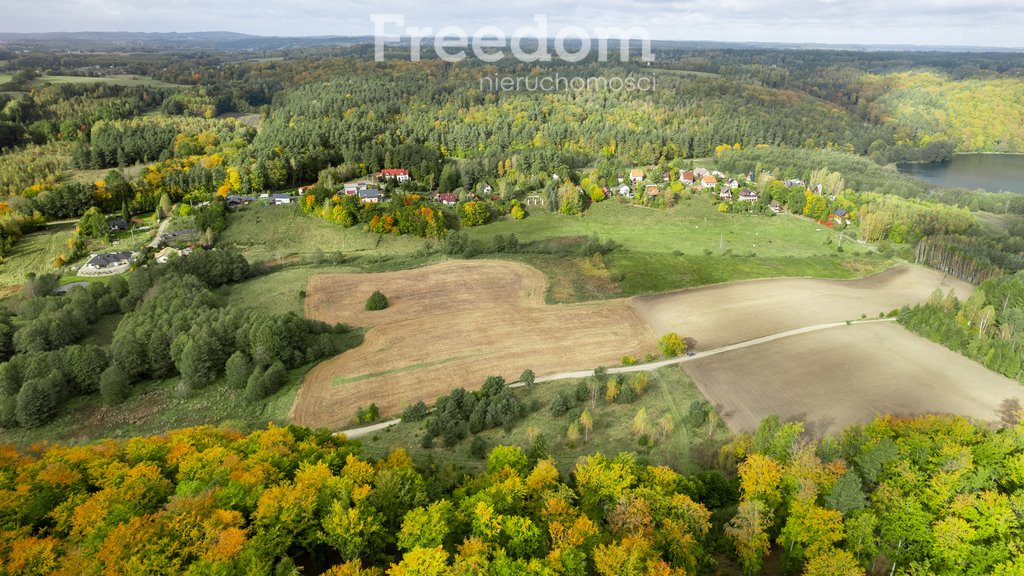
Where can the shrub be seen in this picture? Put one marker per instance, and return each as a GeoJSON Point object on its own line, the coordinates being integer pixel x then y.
{"type": "Point", "coordinates": [478, 448]}
{"type": "Point", "coordinates": [415, 412]}
{"type": "Point", "coordinates": [36, 404]}
{"type": "Point", "coordinates": [561, 403]}
{"type": "Point", "coordinates": [627, 395]}
{"type": "Point", "coordinates": [376, 301]}
{"type": "Point", "coordinates": [367, 415]}
{"type": "Point", "coordinates": [697, 415]}
{"type": "Point", "coordinates": [238, 369]}
{"type": "Point", "coordinates": [263, 383]}
{"type": "Point", "coordinates": [582, 391]}
{"type": "Point", "coordinates": [114, 385]}
{"type": "Point", "coordinates": [528, 377]}
{"type": "Point", "coordinates": [628, 360]}
{"type": "Point", "coordinates": [671, 344]}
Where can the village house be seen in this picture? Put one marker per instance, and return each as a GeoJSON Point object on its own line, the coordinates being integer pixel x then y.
{"type": "Point", "coordinates": [108, 261]}
{"type": "Point", "coordinates": [732, 183]}
{"type": "Point", "coordinates": [725, 194]}
{"type": "Point", "coordinates": [708, 181]}
{"type": "Point", "coordinates": [636, 175]}
{"type": "Point", "coordinates": [276, 199]}
{"type": "Point", "coordinates": [699, 173]}
{"type": "Point", "coordinates": [448, 198]}
{"type": "Point", "coordinates": [351, 189]}
{"type": "Point", "coordinates": [652, 190]}
{"type": "Point", "coordinates": [399, 174]}
{"type": "Point", "coordinates": [118, 225]}
{"type": "Point", "coordinates": [748, 195]}
{"type": "Point", "coordinates": [164, 255]}
{"type": "Point", "coordinates": [369, 196]}
{"type": "Point", "coordinates": [775, 206]}
{"type": "Point", "coordinates": [625, 190]}
{"type": "Point", "coordinates": [686, 177]}
{"type": "Point", "coordinates": [793, 182]}
{"type": "Point", "coordinates": [841, 216]}
{"type": "Point", "coordinates": [234, 200]}
{"type": "Point", "coordinates": [303, 189]}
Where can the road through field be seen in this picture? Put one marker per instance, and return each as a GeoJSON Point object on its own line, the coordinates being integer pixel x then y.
{"type": "Point", "coordinates": [453, 324]}
{"type": "Point", "coordinates": [645, 367]}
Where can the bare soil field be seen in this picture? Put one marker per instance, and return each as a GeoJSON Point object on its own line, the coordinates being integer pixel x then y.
{"type": "Point", "coordinates": [729, 313]}
{"type": "Point", "coordinates": [845, 375]}
{"type": "Point", "coordinates": [452, 325]}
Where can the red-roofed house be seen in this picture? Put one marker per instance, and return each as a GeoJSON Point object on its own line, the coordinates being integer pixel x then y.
{"type": "Point", "coordinates": [686, 176]}
{"type": "Point", "coordinates": [709, 181]}
{"type": "Point", "coordinates": [636, 175]}
{"type": "Point", "coordinates": [447, 198]}
{"type": "Point", "coordinates": [400, 174]}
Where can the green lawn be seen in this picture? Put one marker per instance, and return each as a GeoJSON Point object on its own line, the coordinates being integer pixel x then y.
{"type": "Point", "coordinates": [670, 391]}
{"type": "Point", "coordinates": [5, 78]}
{"type": "Point", "coordinates": [91, 176]}
{"type": "Point", "coordinates": [691, 227]}
{"type": "Point", "coordinates": [116, 80]}
{"type": "Point", "coordinates": [35, 253]}
{"type": "Point", "coordinates": [277, 292]}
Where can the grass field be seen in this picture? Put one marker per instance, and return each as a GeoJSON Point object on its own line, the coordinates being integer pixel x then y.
{"type": "Point", "coordinates": [269, 233]}
{"type": "Point", "coordinates": [670, 391]}
{"type": "Point", "coordinates": [116, 80]}
{"type": "Point", "coordinates": [279, 291]}
{"type": "Point", "coordinates": [857, 372]}
{"type": "Point", "coordinates": [690, 228]}
{"type": "Point", "coordinates": [34, 253]}
{"type": "Point", "coordinates": [5, 78]}
{"type": "Point", "coordinates": [91, 176]}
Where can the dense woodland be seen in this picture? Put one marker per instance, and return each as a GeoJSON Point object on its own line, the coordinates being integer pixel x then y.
{"type": "Point", "coordinates": [929, 495]}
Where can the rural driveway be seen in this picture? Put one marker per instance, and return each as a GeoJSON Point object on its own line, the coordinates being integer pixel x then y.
{"type": "Point", "coordinates": [367, 430]}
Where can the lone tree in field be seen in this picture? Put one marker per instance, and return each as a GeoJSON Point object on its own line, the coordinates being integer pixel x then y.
{"type": "Point", "coordinates": [671, 344]}
{"type": "Point", "coordinates": [528, 377]}
{"type": "Point", "coordinates": [377, 301]}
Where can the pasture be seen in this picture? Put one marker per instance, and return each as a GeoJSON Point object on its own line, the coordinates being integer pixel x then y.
{"type": "Point", "coordinates": [847, 375]}
{"type": "Point", "coordinates": [34, 253]}
{"type": "Point", "coordinates": [114, 80]}
{"type": "Point", "coordinates": [276, 233]}
{"type": "Point", "coordinates": [453, 324]}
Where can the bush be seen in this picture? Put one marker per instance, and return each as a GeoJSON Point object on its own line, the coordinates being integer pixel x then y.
{"type": "Point", "coordinates": [697, 415]}
{"type": "Point", "coordinates": [377, 301]}
{"type": "Point", "coordinates": [561, 403]}
{"type": "Point", "coordinates": [367, 415]}
{"type": "Point", "coordinates": [114, 385]}
{"type": "Point", "coordinates": [671, 344]}
{"type": "Point", "coordinates": [528, 377]}
{"type": "Point", "coordinates": [263, 383]}
{"type": "Point", "coordinates": [36, 404]}
{"type": "Point", "coordinates": [478, 448]}
{"type": "Point", "coordinates": [628, 360]}
{"type": "Point", "coordinates": [415, 412]}
{"type": "Point", "coordinates": [627, 395]}
{"type": "Point", "coordinates": [238, 369]}
{"type": "Point", "coordinates": [582, 391]}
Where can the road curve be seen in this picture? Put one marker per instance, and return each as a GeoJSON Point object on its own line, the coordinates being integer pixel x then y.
{"type": "Point", "coordinates": [367, 430]}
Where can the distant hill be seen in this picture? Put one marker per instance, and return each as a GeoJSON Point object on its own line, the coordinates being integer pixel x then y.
{"type": "Point", "coordinates": [213, 40]}
{"type": "Point", "coordinates": [222, 40]}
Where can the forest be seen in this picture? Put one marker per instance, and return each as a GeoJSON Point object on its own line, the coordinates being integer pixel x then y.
{"type": "Point", "coordinates": [928, 495]}
{"type": "Point", "coordinates": [168, 321]}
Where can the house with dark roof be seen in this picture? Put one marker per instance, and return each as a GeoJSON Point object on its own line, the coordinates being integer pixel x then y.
{"type": "Point", "coordinates": [118, 225]}
{"type": "Point", "coordinates": [369, 196]}
{"type": "Point", "coordinates": [748, 195]}
{"type": "Point", "coordinates": [276, 199]}
{"type": "Point", "coordinates": [109, 260]}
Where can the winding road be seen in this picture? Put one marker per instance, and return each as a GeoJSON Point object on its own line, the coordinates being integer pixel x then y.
{"type": "Point", "coordinates": [367, 430]}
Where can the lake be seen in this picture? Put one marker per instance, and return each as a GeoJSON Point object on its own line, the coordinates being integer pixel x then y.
{"type": "Point", "coordinates": [992, 172]}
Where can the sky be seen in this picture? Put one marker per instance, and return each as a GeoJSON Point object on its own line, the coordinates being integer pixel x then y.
{"type": "Point", "coordinates": [923, 22]}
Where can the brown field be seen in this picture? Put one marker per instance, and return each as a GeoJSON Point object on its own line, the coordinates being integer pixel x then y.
{"type": "Point", "coordinates": [729, 313]}
{"type": "Point", "coordinates": [845, 375]}
{"type": "Point", "coordinates": [453, 324]}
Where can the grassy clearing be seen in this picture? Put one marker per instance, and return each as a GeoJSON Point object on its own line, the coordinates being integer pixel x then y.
{"type": "Point", "coordinates": [5, 78]}
{"type": "Point", "coordinates": [91, 176]}
{"type": "Point", "coordinates": [275, 233]}
{"type": "Point", "coordinates": [35, 253]}
{"type": "Point", "coordinates": [640, 273]}
{"type": "Point", "coordinates": [691, 227]}
{"type": "Point", "coordinates": [114, 80]}
{"type": "Point", "coordinates": [670, 391]}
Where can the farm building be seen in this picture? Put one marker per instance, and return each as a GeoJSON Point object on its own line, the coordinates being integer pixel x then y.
{"type": "Point", "coordinates": [276, 199]}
